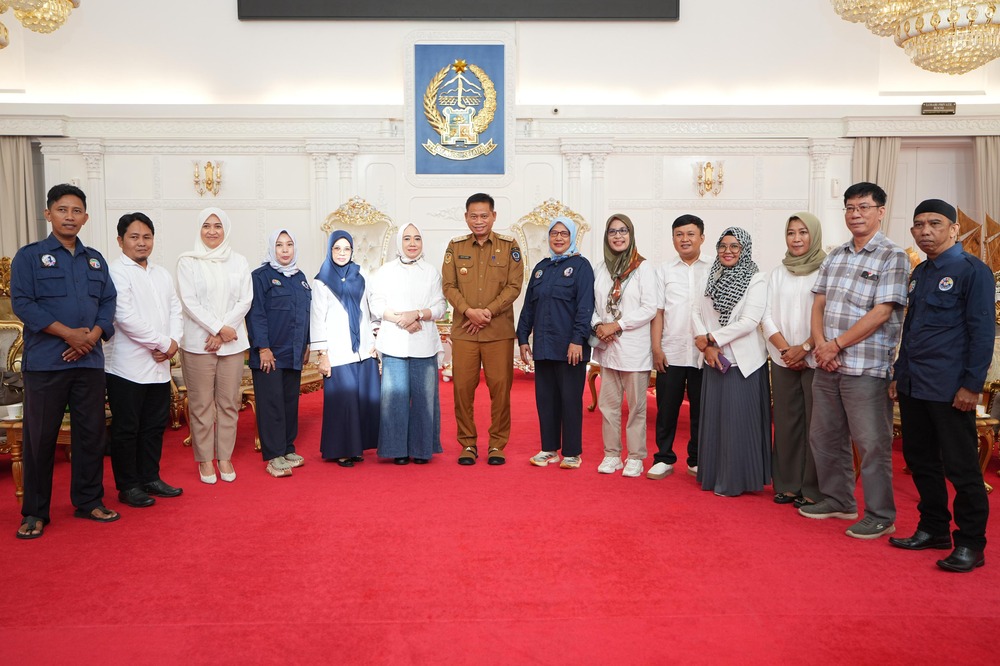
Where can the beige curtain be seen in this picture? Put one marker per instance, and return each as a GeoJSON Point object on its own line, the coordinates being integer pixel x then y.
{"type": "Point", "coordinates": [987, 167]}
{"type": "Point", "coordinates": [875, 160]}
{"type": "Point", "coordinates": [17, 194]}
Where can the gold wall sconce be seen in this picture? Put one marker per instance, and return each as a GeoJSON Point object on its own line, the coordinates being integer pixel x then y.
{"type": "Point", "coordinates": [212, 181]}
{"type": "Point", "coordinates": [709, 178]}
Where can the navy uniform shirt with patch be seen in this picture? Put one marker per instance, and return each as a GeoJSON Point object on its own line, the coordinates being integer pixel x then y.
{"type": "Point", "coordinates": [49, 284]}
{"type": "Point", "coordinates": [948, 332]}
{"type": "Point", "coordinates": [558, 307]}
{"type": "Point", "coordinates": [279, 317]}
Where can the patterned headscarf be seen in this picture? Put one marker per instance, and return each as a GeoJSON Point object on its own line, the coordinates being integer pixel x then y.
{"type": "Point", "coordinates": [620, 264]}
{"type": "Point", "coordinates": [810, 261]}
{"type": "Point", "coordinates": [726, 286]}
{"type": "Point", "coordinates": [346, 283]}
{"type": "Point", "coordinates": [571, 250]}
{"type": "Point", "coordinates": [272, 257]}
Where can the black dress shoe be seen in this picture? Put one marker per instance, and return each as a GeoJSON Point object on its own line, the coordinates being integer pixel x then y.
{"type": "Point", "coordinates": [468, 460]}
{"type": "Point", "coordinates": [782, 498]}
{"type": "Point", "coordinates": [345, 462]}
{"type": "Point", "coordinates": [421, 461]}
{"type": "Point", "coordinates": [496, 460]}
{"type": "Point", "coordinates": [402, 460]}
{"type": "Point", "coordinates": [136, 497]}
{"type": "Point", "coordinates": [357, 458]}
{"type": "Point", "coordinates": [162, 489]}
{"type": "Point", "coordinates": [963, 560]}
{"type": "Point", "coordinates": [922, 541]}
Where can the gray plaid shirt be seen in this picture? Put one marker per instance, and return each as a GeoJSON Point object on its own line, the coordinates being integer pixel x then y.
{"type": "Point", "coordinates": [854, 283]}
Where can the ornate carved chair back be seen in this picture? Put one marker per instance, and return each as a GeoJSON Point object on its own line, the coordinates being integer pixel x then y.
{"type": "Point", "coordinates": [372, 230]}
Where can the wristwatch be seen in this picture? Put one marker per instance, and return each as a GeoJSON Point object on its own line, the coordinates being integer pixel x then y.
{"type": "Point", "coordinates": [806, 347]}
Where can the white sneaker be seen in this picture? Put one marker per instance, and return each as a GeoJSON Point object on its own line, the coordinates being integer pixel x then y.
{"type": "Point", "coordinates": [693, 471]}
{"type": "Point", "coordinates": [660, 470]}
{"type": "Point", "coordinates": [633, 468]}
{"type": "Point", "coordinates": [609, 465]}
{"type": "Point", "coordinates": [544, 458]}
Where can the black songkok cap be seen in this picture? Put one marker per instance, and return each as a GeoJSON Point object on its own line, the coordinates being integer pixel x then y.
{"type": "Point", "coordinates": [936, 206]}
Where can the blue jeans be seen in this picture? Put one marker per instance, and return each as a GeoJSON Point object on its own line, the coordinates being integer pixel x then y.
{"type": "Point", "coordinates": [410, 423]}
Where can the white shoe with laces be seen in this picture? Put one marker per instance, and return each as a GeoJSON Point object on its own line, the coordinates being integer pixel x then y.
{"type": "Point", "coordinates": [633, 468]}
{"type": "Point", "coordinates": [609, 465]}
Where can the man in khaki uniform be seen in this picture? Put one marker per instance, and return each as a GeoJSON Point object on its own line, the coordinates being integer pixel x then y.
{"type": "Point", "coordinates": [482, 276]}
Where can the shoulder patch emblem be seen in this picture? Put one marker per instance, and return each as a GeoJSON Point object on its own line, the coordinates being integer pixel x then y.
{"type": "Point", "coordinates": [515, 254]}
{"type": "Point", "coordinates": [447, 257]}
{"type": "Point", "coordinates": [305, 285]}
{"type": "Point", "coordinates": [276, 282]}
{"type": "Point", "coordinates": [538, 274]}
{"type": "Point", "coordinates": [913, 285]}
{"type": "Point", "coordinates": [95, 263]}
{"type": "Point", "coordinates": [48, 260]}
{"type": "Point", "coordinates": [568, 271]}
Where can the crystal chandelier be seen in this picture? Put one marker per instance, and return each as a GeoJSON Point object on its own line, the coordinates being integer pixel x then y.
{"type": "Point", "coordinates": [42, 16]}
{"type": "Point", "coordinates": [946, 36]}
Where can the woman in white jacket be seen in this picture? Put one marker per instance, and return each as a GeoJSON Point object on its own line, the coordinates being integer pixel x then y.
{"type": "Point", "coordinates": [624, 304]}
{"type": "Point", "coordinates": [406, 295]}
{"type": "Point", "coordinates": [213, 283]}
{"type": "Point", "coordinates": [734, 447]}
{"type": "Point", "coordinates": [342, 338]}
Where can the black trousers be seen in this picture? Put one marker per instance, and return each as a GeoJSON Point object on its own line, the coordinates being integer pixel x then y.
{"type": "Point", "coordinates": [46, 395]}
{"type": "Point", "coordinates": [941, 442]}
{"type": "Point", "coordinates": [139, 414]}
{"type": "Point", "coordinates": [559, 399]}
{"type": "Point", "coordinates": [277, 397]}
{"type": "Point", "coordinates": [670, 387]}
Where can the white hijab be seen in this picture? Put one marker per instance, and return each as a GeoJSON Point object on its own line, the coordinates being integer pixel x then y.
{"type": "Point", "coordinates": [399, 246]}
{"type": "Point", "coordinates": [272, 259]}
{"type": "Point", "coordinates": [211, 263]}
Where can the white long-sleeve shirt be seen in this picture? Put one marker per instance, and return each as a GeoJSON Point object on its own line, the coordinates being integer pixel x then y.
{"type": "Point", "coordinates": [789, 309]}
{"type": "Point", "coordinates": [330, 328]}
{"type": "Point", "coordinates": [631, 351]}
{"type": "Point", "coordinates": [196, 297]}
{"type": "Point", "coordinates": [147, 318]}
{"type": "Point", "coordinates": [402, 287]}
{"type": "Point", "coordinates": [681, 287]}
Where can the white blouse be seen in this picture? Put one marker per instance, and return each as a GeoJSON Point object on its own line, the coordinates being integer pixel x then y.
{"type": "Point", "coordinates": [789, 310]}
{"type": "Point", "coordinates": [147, 318]}
{"type": "Point", "coordinates": [200, 320]}
{"type": "Point", "coordinates": [631, 351]}
{"type": "Point", "coordinates": [740, 340]}
{"type": "Point", "coordinates": [330, 327]}
{"type": "Point", "coordinates": [401, 287]}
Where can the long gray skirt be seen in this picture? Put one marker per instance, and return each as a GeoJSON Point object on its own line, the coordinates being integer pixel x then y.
{"type": "Point", "coordinates": [734, 440]}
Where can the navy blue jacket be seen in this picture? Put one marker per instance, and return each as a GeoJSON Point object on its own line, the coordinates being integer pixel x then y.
{"type": "Point", "coordinates": [948, 332]}
{"type": "Point", "coordinates": [50, 284]}
{"type": "Point", "coordinates": [557, 307]}
{"type": "Point", "coordinates": [279, 317]}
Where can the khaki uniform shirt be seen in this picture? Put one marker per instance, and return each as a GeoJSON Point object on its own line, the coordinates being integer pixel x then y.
{"type": "Point", "coordinates": [483, 276]}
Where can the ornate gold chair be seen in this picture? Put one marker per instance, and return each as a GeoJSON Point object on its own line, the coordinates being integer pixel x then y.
{"type": "Point", "coordinates": [371, 229]}
{"type": "Point", "coordinates": [532, 231]}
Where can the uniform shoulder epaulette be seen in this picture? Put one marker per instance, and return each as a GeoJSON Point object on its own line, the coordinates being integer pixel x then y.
{"type": "Point", "coordinates": [505, 237]}
{"type": "Point", "coordinates": [459, 239]}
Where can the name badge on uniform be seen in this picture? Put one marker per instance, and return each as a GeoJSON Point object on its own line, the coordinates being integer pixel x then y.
{"type": "Point", "coordinates": [463, 271]}
{"type": "Point", "coordinates": [946, 284]}
{"type": "Point", "coordinates": [538, 274]}
{"type": "Point", "coordinates": [465, 256]}
{"type": "Point", "coordinates": [568, 271]}
{"type": "Point", "coordinates": [48, 260]}
{"type": "Point", "coordinates": [95, 263]}
{"type": "Point", "coordinates": [276, 282]}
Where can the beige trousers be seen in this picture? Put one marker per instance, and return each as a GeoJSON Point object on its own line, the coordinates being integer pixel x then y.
{"type": "Point", "coordinates": [213, 389]}
{"type": "Point", "coordinates": [615, 383]}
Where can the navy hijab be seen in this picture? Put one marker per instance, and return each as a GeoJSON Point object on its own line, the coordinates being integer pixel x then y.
{"type": "Point", "coordinates": [347, 285]}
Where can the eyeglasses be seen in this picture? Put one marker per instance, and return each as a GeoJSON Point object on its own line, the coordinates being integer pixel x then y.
{"type": "Point", "coordinates": [558, 234]}
{"type": "Point", "coordinates": [732, 247]}
{"type": "Point", "coordinates": [618, 232]}
{"type": "Point", "coordinates": [860, 208]}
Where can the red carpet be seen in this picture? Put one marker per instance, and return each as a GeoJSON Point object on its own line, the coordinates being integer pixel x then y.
{"type": "Point", "coordinates": [484, 565]}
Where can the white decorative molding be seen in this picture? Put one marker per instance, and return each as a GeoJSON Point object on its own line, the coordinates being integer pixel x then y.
{"type": "Point", "coordinates": [157, 178]}
{"type": "Point", "coordinates": [573, 161]}
{"type": "Point", "coordinates": [260, 172]}
{"type": "Point", "coordinates": [923, 126]}
{"type": "Point", "coordinates": [220, 202]}
{"type": "Point", "coordinates": [321, 163]}
{"type": "Point", "coordinates": [452, 213]}
{"type": "Point", "coordinates": [32, 126]}
{"type": "Point", "coordinates": [709, 204]}
{"type": "Point", "coordinates": [214, 129]}
{"type": "Point", "coordinates": [543, 127]}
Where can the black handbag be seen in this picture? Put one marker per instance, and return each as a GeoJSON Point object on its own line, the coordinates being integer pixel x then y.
{"type": "Point", "coordinates": [12, 388]}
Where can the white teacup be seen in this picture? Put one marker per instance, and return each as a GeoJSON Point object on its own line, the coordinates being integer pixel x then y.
{"type": "Point", "coordinates": [15, 411]}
